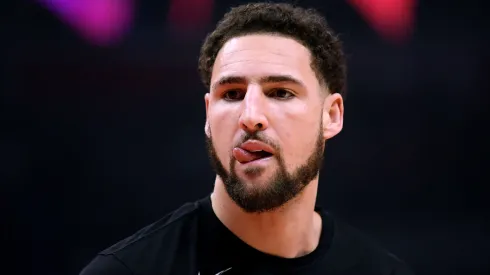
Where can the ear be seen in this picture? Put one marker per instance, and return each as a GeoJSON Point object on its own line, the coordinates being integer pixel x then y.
{"type": "Point", "coordinates": [207, 130]}
{"type": "Point", "coordinates": [333, 115]}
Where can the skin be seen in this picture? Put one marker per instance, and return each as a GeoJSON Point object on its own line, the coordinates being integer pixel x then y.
{"type": "Point", "coordinates": [292, 114]}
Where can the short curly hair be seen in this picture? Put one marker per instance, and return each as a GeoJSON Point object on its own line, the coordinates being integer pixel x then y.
{"type": "Point", "coordinates": [306, 26]}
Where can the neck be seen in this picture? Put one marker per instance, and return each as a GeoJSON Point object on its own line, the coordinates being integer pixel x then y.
{"type": "Point", "coordinates": [291, 231]}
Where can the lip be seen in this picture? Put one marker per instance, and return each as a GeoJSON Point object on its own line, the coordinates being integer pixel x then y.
{"type": "Point", "coordinates": [261, 164]}
{"type": "Point", "coordinates": [255, 163]}
{"type": "Point", "coordinates": [256, 145]}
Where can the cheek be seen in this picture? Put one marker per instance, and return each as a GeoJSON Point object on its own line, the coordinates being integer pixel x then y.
{"type": "Point", "coordinates": [299, 137]}
{"type": "Point", "coordinates": [223, 127]}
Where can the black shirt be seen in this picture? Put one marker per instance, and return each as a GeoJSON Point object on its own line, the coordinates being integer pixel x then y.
{"type": "Point", "coordinates": [192, 241]}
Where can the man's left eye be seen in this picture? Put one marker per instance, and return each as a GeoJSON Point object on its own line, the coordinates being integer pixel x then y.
{"type": "Point", "coordinates": [281, 94]}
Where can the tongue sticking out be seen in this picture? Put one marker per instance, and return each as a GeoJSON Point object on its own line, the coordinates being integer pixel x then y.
{"type": "Point", "coordinates": [244, 156]}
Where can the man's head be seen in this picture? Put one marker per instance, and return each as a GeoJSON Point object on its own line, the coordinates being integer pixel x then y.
{"type": "Point", "coordinates": [275, 75]}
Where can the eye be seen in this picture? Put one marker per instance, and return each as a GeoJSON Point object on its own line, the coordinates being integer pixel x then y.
{"type": "Point", "coordinates": [281, 94]}
{"type": "Point", "coordinates": [233, 95]}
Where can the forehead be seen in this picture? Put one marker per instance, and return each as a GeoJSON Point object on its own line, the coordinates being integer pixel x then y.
{"type": "Point", "coordinates": [260, 55]}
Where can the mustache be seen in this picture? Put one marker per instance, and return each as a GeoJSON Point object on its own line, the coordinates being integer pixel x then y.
{"type": "Point", "coordinates": [259, 136]}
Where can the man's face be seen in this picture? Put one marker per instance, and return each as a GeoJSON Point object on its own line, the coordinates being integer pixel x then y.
{"type": "Point", "coordinates": [265, 120]}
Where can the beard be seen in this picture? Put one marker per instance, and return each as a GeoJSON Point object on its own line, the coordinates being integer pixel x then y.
{"type": "Point", "coordinates": [282, 187]}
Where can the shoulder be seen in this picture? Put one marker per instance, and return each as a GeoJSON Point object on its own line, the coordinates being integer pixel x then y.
{"type": "Point", "coordinates": [357, 253]}
{"type": "Point", "coordinates": [107, 265]}
{"type": "Point", "coordinates": [181, 219]}
{"type": "Point", "coordinates": [151, 247]}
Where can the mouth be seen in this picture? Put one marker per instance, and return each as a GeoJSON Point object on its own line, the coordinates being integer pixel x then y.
{"type": "Point", "coordinates": [252, 150]}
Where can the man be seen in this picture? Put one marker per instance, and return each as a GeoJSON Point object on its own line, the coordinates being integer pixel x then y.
{"type": "Point", "coordinates": [275, 75]}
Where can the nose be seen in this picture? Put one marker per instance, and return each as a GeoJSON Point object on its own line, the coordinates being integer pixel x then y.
{"type": "Point", "coordinates": [253, 117]}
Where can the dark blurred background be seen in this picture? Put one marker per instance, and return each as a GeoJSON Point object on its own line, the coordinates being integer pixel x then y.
{"type": "Point", "coordinates": [102, 119]}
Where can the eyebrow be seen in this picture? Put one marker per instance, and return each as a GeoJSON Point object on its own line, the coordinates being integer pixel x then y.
{"type": "Point", "coordinates": [227, 80]}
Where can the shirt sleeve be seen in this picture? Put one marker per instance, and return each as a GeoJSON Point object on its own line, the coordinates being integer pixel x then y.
{"type": "Point", "coordinates": [106, 265]}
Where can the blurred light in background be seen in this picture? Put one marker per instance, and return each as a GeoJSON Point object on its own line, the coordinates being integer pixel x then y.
{"type": "Point", "coordinates": [100, 22]}
{"type": "Point", "coordinates": [190, 15]}
{"type": "Point", "coordinates": [105, 22]}
{"type": "Point", "coordinates": [392, 19]}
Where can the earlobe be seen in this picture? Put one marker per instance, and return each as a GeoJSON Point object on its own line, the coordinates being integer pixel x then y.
{"type": "Point", "coordinates": [206, 102]}
{"type": "Point", "coordinates": [206, 129]}
{"type": "Point", "coordinates": [206, 125]}
{"type": "Point", "coordinates": [333, 115]}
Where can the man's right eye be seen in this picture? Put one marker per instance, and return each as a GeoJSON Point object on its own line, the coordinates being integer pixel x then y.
{"type": "Point", "coordinates": [233, 95]}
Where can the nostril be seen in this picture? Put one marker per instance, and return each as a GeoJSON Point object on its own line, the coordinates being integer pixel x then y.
{"type": "Point", "coordinates": [259, 125]}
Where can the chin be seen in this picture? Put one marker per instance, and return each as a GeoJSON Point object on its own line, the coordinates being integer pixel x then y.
{"type": "Point", "coordinates": [256, 173]}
